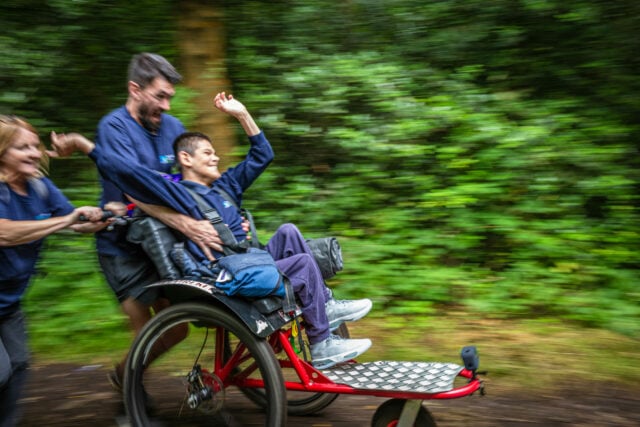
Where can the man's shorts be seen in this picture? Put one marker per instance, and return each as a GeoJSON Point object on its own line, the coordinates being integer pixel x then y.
{"type": "Point", "coordinates": [129, 276]}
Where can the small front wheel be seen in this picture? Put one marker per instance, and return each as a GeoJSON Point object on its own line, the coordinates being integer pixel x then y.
{"type": "Point", "coordinates": [388, 415]}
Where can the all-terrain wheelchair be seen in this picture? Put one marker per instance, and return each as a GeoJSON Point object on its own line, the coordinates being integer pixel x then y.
{"type": "Point", "coordinates": [256, 348]}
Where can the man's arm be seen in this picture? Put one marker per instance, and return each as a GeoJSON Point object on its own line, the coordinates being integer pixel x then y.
{"type": "Point", "coordinates": [199, 232]}
{"type": "Point", "coordinates": [157, 191]}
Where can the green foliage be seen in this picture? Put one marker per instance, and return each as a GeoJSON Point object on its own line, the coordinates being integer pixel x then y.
{"type": "Point", "coordinates": [466, 153]}
{"type": "Point", "coordinates": [70, 305]}
{"type": "Point", "coordinates": [64, 63]}
{"type": "Point", "coordinates": [183, 105]}
{"type": "Point", "coordinates": [492, 166]}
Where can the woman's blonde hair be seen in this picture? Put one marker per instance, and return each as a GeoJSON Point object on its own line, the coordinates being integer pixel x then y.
{"type": "Point", "coordinates": [9, 127]}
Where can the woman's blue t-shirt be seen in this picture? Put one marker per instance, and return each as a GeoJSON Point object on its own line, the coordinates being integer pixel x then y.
{"type": "Point", "coordinates": [44, 200]}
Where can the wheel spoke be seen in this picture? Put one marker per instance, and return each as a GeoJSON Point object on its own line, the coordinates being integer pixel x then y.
{"type": "Point", "coordinates": [188, 383]}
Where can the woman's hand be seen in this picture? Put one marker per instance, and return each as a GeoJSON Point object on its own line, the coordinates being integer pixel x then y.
{"type": "Point", "coordinates": [88, 214]}
{"type": "Point", "coordinates": [92, 217]}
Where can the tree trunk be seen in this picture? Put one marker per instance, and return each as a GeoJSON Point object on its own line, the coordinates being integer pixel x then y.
{"type": "Point", "coordinates": [202, 44]}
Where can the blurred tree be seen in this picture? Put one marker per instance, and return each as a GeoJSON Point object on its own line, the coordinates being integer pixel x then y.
{"type": "Point", "coordinates": [202, 47]}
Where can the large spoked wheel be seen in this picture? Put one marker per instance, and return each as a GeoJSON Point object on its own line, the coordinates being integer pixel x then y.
{"type": "Point", "coordinates": [188, 384]}
{"type": "Point", "coordinates": [300, 403]}
{"type": "Point", "coordinates": [388, 414]}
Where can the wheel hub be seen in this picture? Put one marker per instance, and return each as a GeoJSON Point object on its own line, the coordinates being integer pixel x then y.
{"type": "Point", "coordinates": [205, 391]}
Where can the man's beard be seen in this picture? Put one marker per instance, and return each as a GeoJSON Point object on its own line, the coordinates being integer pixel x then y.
{"type": "Point", "coordinates": [143, 115]}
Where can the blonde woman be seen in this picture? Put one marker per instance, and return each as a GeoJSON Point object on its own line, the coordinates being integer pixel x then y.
{"type": "Point", "coordinates": [31, 208]}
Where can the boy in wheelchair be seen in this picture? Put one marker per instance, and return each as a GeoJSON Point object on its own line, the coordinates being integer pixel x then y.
{"type": "Point", "coordinates": [199, 167]}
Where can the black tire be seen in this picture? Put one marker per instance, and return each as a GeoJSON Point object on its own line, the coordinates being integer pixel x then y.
{"type": "Point", "coordinates": [301, 403]}
{"type": "Point", "coordinates": [388, 414]}
{"type": "Point", "coordinates": [155, 385]}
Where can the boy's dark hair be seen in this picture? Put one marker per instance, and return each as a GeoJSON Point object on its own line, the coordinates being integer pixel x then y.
{"type": "Point", "coordinates": [144, 67]}
{"type": "Point", "coordinates": [188, 142]}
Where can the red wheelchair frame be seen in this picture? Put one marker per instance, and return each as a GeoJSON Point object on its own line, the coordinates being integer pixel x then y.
{"type": "Point", "coordinates": [258, 357]}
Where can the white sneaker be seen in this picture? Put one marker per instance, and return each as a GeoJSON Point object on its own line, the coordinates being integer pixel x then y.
{"type": "Point", "coordinates": [340, 311]}
{"type": "Point", "coordinates": [336, 350]}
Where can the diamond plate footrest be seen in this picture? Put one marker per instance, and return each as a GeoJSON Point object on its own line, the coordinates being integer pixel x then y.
{"type": "Point", "coordinates": [419, 377]}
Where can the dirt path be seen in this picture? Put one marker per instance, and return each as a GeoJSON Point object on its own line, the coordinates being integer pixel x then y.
{"type": "Point", "coordinates": [69, 395]}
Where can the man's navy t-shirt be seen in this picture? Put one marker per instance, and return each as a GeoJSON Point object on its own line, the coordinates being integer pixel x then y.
{"type": "Point", "coordinates": [119, 134]}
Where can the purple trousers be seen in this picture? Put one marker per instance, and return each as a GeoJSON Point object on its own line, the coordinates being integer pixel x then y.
{"type": "Point", "coordinates": [295, 260]}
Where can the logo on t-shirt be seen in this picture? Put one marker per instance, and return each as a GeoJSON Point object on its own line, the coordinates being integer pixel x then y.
{"type": "Point", "coordinates": [167, 159]}
{"type": "Point", "coordinates": [44, 215]}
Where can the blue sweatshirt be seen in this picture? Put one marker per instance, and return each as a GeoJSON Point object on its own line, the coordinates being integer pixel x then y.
{"type": "Point", "coordinates": [119, 136]}
{"type": "Point", "coordinates": [150, 187]}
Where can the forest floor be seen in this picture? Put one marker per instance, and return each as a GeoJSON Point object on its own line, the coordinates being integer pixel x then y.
{"type": "Point", "coordinates": [71, 395]}
{"type": "Point", "coordinates": [540, 373]}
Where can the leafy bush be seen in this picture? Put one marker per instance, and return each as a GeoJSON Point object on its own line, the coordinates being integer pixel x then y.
{"type": "Point", "coordinates": [464, 153]}
{"type": "Point", "coordinates": [447, 183]}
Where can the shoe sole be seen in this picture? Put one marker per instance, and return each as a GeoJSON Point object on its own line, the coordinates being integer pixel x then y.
{"type": "Point", "coordinates": [328, 362]}
{"type": "Point", "coordinates": [335, 324]}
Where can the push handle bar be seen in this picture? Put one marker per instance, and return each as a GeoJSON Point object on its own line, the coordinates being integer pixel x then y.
{"type": "Point", "coordinates": [105, 216]}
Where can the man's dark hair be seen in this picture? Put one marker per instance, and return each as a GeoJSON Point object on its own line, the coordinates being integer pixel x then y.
{"type": "Point", "coordinates": [144, 67]}
{"type": "Point", "coordinates": [188, 142]}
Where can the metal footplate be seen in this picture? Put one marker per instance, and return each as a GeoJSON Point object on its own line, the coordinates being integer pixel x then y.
{"type": "Point", "coordinates": [418, 377]}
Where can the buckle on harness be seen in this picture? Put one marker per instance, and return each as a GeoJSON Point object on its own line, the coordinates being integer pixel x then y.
{"type": "Point", "coordinates": [213, 219]}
